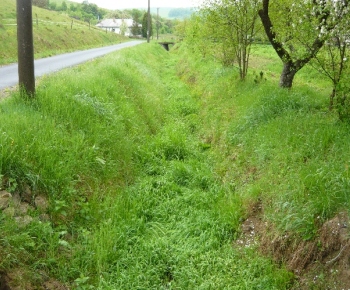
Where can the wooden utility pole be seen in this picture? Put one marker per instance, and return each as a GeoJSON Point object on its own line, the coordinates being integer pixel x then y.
{"type": "Point", "coordinates": [149, 21]}
{"type": "Point", "coordinates": [26, 78]}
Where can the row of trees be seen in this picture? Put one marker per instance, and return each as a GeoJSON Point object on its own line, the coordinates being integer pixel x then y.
{"type": "Point", "coordinates": [86, 11]}
{"type": "Point", "coordinates": [163, 25]}
{"type": "Point", "coordinates": [302, 32]}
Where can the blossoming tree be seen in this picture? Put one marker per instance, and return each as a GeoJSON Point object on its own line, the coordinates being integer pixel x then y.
{"type": "Point", "coordinates": [298, 29]}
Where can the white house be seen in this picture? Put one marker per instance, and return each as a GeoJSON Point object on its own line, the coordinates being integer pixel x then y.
{"type": "Point", "coordinates": [120, 26]}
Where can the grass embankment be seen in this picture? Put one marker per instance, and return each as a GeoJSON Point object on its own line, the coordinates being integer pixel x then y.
{"type": "Point", "coordinates": [282, 147]}
{"type": "Point", "coordinates": [53, 33]}
{"type": "Point", "coordinates": [136, 201]}
{"type": "Point", "coordinates": [283, 154]}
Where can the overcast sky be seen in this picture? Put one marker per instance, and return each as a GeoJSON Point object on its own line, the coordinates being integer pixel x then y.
{"type": "Point", "coordinates": [122, 4]}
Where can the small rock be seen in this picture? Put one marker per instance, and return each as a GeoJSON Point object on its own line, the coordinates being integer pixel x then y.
{"type": "Point", "coordinates": [248, 226]}
{"type": "Point", "coordinates": [5, 198]}
{"type": "Point", "coordinates": [16, 199]}
{"type": "Point", "coordinates": [41, 203]}
{"type": "Point", "coordinates": [23, 221]}
{"type": "Point", "coordinates": [23, 208]}
{"type": "Point", "coordinates": [27, 194]}
{"type": "Point", "coordinates": [10, 211]}
{"type": "Point", "coordinates": [44, 217]}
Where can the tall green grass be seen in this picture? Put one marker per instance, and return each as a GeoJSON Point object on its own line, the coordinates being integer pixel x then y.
{"type": "Point", "coordinates": [118, 146]}
{"type": "Point", "coordinates": [281, 147]}
{"type": "Point", "coordinates": [301, 150]}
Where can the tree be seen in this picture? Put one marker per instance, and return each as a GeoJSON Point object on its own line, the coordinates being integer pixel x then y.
{"type": "Point", "coordinates": [115, 14]}
{"type": "Point", "coordinates": [41, 3]}
{"type": "Point", "coordinates": [145, 25]}
{"type": "Point", "coordinates": [64, 6]}
{"type": "Point", "coordinates": [90, 9]}
{"type": "Point", "coordinates": [230, 27]}
{"type": "Point", "coordinates": [168, 24]}
{"type": "Point", "coordinates": [101, 13]}
{"type": "Point", "coordinates": [180, 28]}
{"type": "Point", "coordinates": [136, 20]}
{"type": "Point", "coordinates": [297, 30]}
{"type": "Point", "coordinates": [72, 7]}
{"type": "Point", "coordinates": [52, 5]}
{"type": "Point", "coordinates": [332, 60]}
{"type": "Point", "coordinates": [123, 28]}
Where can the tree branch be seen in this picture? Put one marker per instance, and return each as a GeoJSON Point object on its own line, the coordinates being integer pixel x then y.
{"type": "Point", "coordinates": [271, 35]}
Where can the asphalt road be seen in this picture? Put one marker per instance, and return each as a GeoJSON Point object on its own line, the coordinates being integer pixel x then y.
{"type": "Point", "coordinates": [9, 73]}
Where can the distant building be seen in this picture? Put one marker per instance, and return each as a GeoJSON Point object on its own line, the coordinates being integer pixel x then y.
{"type": "Point", "coordinates": [119, 26]}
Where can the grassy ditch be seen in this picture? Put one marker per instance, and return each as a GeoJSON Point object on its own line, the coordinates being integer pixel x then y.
{"type": "Point", "coordinates": [120, 149]}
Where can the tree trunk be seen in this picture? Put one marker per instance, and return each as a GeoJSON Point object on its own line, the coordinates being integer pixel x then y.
{"type": "Point", "coordinates": [287, 76]}
{"type": "Point", "coordinates": [331, 98]}
{"type": "Point", "coordinates": [290, 67]}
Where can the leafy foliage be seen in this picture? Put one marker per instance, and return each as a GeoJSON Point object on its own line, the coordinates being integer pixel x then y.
{"type": "Point", "coordinates": [136, 17]}
{"type": "Point", "coordinates": [41, 3]}
{"type": "Point", "coordinates": [88, 12]}
{"type": "Point", "coordinates": [226, 29]}
{"type": "Point", "coordinates": [332, 61]}
{"type": "Point", "coordinates": [297, 30]}
{"type": "Point", "coordinates": [144, 28]}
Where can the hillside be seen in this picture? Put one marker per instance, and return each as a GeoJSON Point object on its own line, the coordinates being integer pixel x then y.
{"type": "Point", "coordinates": [173, 13]}
{"type": "Point", "coordinates": [54, 33]}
